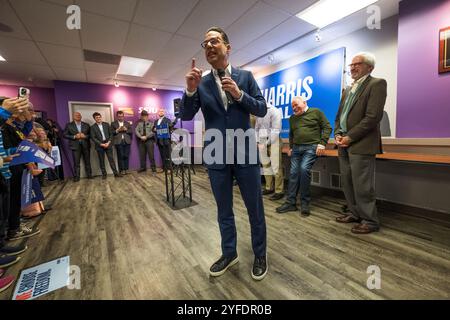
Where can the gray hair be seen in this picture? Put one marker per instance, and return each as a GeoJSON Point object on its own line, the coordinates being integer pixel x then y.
{"type": "Point", "coordinates": [298, 98]}
{"type": "Point", "coordinates": [368, 58]}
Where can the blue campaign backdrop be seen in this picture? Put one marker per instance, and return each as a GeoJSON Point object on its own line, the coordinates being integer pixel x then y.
{"type": "Point", "coordinates": [318, 80]}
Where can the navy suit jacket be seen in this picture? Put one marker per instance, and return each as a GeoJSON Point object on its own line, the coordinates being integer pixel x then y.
{"type": "Point", "coordinates": [237, 116]}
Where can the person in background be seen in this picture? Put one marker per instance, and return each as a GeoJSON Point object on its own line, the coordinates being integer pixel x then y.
{"type": "Point", "coordinates": [9, 255]}
{"type": "Point", "coordinates": [78, 134]}
{"type": "Point", "coordinates": [268, 130]}
{"type": "Point", "coordinates": [309, 131]}
{"type": "Point", "coordinates": [163, 128]}
{"type": "Point", "coordinates": [146, 142]}
{"type": "Point", "coordinates": [122, 134]}
{"type": "Point", "coordinates": [101, 134]}
{"type": "Point", "coordinates": [358, 137]}
{"type": "Point", "coordinates": [14, 131]}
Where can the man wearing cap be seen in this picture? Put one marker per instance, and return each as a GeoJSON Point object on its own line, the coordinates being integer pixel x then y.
{"type": "Point", "coordinates": [146, 142]}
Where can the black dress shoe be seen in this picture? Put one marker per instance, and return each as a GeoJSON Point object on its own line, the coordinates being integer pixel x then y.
{"type": "Point", "coordinates": [220, 266]}
{"type": "Point", "coordinates": [142, 170]}
{"type": "Point", "coordinates": [90, 177]}
{"type": "Point", "coordinates": [104, 177]}
{"type": "Point", "coordinates": [305, 211]}
{"type": "Point", "coordinates": [76, 179]}
{"type": "Point", "coordinates": [266, 192]}
{"type": "Point", "coordinates": [260, 268]}
{"type": "Point", "coordinates": [277, 196]}
{"type": "Point", "coordinates": [118, 175]}
{"type": "Point", "coordinates": [286, 208]}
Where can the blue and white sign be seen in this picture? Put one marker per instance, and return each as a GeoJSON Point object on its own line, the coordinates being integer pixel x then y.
{"type": "Point", "coordinates": [29, 152]}
{"type": "Point", "coordinates": [318, 80]}
{"type": "Point", "coordinates": [42, 279]}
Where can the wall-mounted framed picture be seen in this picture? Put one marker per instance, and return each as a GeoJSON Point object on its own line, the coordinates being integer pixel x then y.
{"type": "Point", "coordinates": [444, 50]}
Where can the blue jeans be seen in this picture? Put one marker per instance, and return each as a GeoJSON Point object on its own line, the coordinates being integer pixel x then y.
{"type": "Point", "coordinates": [302, 160]}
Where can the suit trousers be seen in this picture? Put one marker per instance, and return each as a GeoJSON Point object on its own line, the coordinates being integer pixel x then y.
{"type": "Point", "coordinates": [249, 182]}
{"type": "Point", "coordinates": [86, 154]}
{"type": "Point", "coordinates": [165, 151]}
{"type": "Point", "coordinates": [147, 147]}
{"type": "Point", "coordinates": [273, 168]}
{"type": "Point", "coordinates": [123, 155]}
{"type": "Point", "coordinates": [101, 160]}
{"type": "Point", "coordinates": [358, 182]}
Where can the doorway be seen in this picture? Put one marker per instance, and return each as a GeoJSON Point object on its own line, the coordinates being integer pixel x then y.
{"type": "Point", "coordinates": [87, 109]}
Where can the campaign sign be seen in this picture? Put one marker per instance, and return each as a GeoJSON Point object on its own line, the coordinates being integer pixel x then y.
{"type": "Point", "coordinates": [162, 132]}
{"type": "Point", "coordinates": [42, 279]}
{"type": "Point", "coordinates": [27, 189]}
{"type": "Point", "coordinates": [29, 152]}
{"type": "Point", "coordinates": [318, 80]}
{"type": "Point", "coordinates": [55, 155]}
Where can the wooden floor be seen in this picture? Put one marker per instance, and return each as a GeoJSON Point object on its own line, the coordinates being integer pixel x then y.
{"type": "Point", "coordinates": [130, 245]}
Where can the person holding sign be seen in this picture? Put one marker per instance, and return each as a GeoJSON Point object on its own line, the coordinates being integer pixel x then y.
{"type": "Point", "coordinates": [14, 131]}
{"type": "Point", "coordinates": [227, 97]}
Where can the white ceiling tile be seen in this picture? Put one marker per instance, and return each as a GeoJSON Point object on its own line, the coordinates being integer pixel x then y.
{"type": "Point", "coordinates": [203, 18]}
{"type": "Point", "coordinates": [60, 56]}
{"type": "Point", "coordinates": [60, 2]}
{"type": "Point", "coordinates": [257, 21]}
{"type": "Point", "coordinates": [118, 9]}
{"type": "Point", "coordinates": [279, 36]}
{"type": "Point", "coordinates": [180, 49]}
{"type": "Point", "coordinates": [26, 71]}
{"type": "Point", "coordinates": [165, 15]}
{"type": "Point", "coordinates": [291, 6]}
{"type": "Point", "coordinates": [241, 57]}
{"type": "Point", "coordinates": [145, 43]}
{"type": "Point", "coordinates": [46, 22]}
{"type": "Point", "coordinates": [67, 74]}
{"type": "Point", "coordinates": [163, 69]}
{"type": "Point", "coordinates": [10, 19]}
{"type": "Point", "coordinates": [94, 76]}
{"type": "Point", "coordinates": [103, 34]}
{"type": "Point", "coordinates": [17, 50]}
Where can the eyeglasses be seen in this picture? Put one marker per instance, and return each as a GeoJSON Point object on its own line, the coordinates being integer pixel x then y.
{"type": "Point", "coordinates": [213, 42]}
{"type": "Point", "coordinates": [355, 64]}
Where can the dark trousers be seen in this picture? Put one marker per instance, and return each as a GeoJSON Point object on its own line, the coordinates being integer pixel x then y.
{"type": "Point", "coordinates": [165, 152]}
{"type": "Point", "coordinates": [302, 160]}
{"type": "Point", "coordinates": [86, 154]}
{"type": "Point", "coordinates": [4, 212]}
{"type": "Point", "coordinates": [249, 182]}
{"type": "Point", "coordinates": [358, 183]}
{"type": "Point", "coordinates": [101, 159]}
{"type": "Point", "coordinates": [123, 155]}
{"type": "Point", "coordinates": [15, 197]}
{"type": "Point", "coordinates": [147, 147]}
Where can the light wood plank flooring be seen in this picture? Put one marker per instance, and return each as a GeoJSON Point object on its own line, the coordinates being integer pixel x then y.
{"type": "Point", "coordinates": [130, 245]}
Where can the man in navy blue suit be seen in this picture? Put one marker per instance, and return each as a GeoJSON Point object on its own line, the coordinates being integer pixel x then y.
{"type": "Point", "coordinates": [227, 97]}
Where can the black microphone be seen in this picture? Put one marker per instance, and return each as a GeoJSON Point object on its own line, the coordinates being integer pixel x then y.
{"type": "Point", "coordinates": [221, 74]}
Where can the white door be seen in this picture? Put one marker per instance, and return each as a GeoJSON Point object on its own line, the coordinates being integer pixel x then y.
{"type": "Point", "coordinates": [87, 110]}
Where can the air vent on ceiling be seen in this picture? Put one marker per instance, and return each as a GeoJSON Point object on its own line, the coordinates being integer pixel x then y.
{"type": "Point", "coordinates": [5, 28]}
{"type": "Point", "coordinates": [335, 180]}
{"type": "Point", "coordinates": [315, 177]}
{"type": "Point", "coordinates": [101, 57]}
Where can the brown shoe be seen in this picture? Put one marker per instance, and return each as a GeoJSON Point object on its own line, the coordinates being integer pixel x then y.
{"type": "Point", "coordinates": [347, 219]}
{"type": "Point", "coordinates": [363, 229]}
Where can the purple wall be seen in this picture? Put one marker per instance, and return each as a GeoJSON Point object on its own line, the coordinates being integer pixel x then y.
{"type": "Point", "coordinates": [43, 99]}
{"type": "Point", "coordinates": [120, 97]}
{"type": "Point", "coordinates": [423, 97]}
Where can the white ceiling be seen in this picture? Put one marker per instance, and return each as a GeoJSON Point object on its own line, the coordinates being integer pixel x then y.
{"type": "Point", "coordinates": [41, 48]}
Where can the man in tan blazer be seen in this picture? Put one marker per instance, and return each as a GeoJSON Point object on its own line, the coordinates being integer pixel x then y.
{"type": "Point", "coordinates": [358, 137]}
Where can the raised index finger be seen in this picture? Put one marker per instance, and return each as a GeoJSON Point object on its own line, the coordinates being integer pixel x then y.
{"type": "Point", "coordinates": [193, 63]}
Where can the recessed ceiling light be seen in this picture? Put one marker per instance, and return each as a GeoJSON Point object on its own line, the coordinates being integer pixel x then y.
{"type": "Point", "coordinates": [2, 59]}
{"type": "Point", "coordinates": [134, 66]}
{"type": "Point", "coordinates": [116, 84]}
{"type": "Point", "coordinates": [325, 12]}
{"type": "Point", "coordinates": [154, 89]}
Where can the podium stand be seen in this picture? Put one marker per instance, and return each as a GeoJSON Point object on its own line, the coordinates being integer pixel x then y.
{"type": "Point", "coordinates": [178, 185]}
